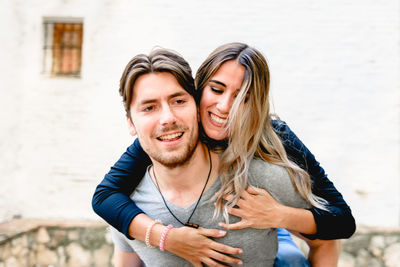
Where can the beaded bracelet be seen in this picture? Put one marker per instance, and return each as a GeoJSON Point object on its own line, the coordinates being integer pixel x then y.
{"type": "Point", "coordinates": [164, 235]}
{"type": "Point", "coordinates": [148, 231]}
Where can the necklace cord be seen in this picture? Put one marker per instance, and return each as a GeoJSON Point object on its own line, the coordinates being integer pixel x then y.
{"type": "Point", "coordinates": [198, 201]}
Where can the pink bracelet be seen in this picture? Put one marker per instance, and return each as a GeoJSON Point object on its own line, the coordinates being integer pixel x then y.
{"type": "Point", "coordinates": [164, 235]}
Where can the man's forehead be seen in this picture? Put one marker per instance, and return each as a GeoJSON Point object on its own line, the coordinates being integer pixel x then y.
{"type": "Point", "coordinates": [153, 87]}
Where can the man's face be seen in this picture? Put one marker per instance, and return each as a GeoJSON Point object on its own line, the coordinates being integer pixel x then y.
{"type": "Point", "coordinates": [164, 118]}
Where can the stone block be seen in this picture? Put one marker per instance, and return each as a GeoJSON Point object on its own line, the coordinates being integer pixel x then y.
{"type": "Point", "coordinates": [73, 235]}
{"type": "Point", "coordinates": [58, 238]}
{"type": "Point", "coordinates": [392, 255]}
{"type": "Point", "coordinates": [5, 251]}
{"type": "Point", "coordinates": [77, 256]}
{"type": "Point", "coordinates": [12, 261]}
{"type": "Point", "coordinates": [108, 236]}
{"type": "Point", "coordinates": [62, 258]}
{"type": "Point", "coordinates": [93, 238]}
{"type": "Point", "coordinates": [42, 236]}
{"type": "Point", "coordinates": [346, 260]}
{"type": "Point", "coordinates": [378, 241]}
{"type": "Point", "coordinates": [32, 257]}
{"type": "Point", "coordinates": [364, 258]}
{"type": "Point", "coordinates": [392, 239]}
{"type": "Point", "coordinates": [46, 256]}
{"type": "Point", "coordinates": [356, 243]}
{"type": "Point", "coordinates": [19, 245]}
{"type": "Point", "coordinates": [102, 256]}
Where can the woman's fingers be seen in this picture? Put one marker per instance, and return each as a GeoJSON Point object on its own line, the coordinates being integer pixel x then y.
{"type": "Point", "coordinates": [234, 226]}
{"type": "Point", "coordinates": [256, 191]}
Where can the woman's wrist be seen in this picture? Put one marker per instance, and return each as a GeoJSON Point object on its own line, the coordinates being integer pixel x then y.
{"type": "Point", "coordinates": [299, 220]}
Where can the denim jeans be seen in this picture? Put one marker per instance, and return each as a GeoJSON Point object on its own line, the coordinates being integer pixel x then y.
{"type": "Point", "coordinates": [289, 254]}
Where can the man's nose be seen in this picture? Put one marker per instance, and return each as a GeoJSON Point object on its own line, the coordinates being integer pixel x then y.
{"type": "Point", "coordinates": [167, 116]}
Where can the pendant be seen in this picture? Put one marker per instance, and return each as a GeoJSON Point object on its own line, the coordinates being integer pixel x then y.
{"type": "Point", "coordinates": [193, 225]}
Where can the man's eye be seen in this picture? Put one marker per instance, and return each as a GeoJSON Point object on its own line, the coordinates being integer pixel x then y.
{"type": "Point", "coordinates": [217, 91]}
{"type": "Point", "coordinates": [148, 108]}
{"type": "Point", "coordinates": [180, 101]}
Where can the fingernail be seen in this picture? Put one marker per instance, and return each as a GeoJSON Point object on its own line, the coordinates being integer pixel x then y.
{"type": "Point", "coordinates": [220, 224]}
{"type": "Point", "coordinates": [240, 262]}
{"type": "Point", "coordinates": [222, 232]}
{"type": "Point", "coordinates": [240, 251]}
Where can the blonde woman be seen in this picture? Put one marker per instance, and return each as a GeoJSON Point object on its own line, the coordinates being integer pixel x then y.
{"type": "Point", "coordinates": [232, 94]}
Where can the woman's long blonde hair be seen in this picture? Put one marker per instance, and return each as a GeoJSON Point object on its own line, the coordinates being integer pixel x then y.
{"type": "Point", "coordinates": [250, 130]}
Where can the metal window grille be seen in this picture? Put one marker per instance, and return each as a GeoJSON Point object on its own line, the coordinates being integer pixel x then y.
{"type": "Point", "coordinates": [62, 48]}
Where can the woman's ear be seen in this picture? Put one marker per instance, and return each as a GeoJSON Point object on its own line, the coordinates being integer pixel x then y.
{"type": "Point", "coordinates": [131, 126]}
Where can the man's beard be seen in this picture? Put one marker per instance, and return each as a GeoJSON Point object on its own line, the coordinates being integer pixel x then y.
{"type": "Point", "coordinates": [178, 160]}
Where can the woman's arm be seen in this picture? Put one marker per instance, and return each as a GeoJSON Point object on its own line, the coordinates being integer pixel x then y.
{"type": "Point", "coordinates": [111, 199]}
{"type": "Point", "coordinates": [261, 210]}
{"type": "Point", "coordinates": [336, 223]}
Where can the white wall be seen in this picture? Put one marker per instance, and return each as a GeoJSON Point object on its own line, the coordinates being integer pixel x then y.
{"type": "Point", "coordinates": [335, 80]}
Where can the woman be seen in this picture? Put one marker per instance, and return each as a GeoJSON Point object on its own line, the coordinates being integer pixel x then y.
{"type": "Point", "coordinates": [222, 87]}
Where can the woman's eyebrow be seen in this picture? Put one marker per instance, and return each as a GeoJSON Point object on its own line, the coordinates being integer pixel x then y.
{"type": "Point", "coordinates": [218, 82]}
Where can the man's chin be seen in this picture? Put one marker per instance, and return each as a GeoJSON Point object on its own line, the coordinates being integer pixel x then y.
{"type": "Point", "coordinates": [176, 158]}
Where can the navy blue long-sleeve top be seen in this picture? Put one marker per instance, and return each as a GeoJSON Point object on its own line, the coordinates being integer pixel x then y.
{"type": "Point", "coordinates": [112, 201]}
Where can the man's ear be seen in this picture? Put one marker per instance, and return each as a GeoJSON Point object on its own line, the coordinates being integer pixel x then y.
{"type": "Point", "coordinates": [131, 126]}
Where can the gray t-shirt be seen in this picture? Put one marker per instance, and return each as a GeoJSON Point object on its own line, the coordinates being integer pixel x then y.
{"type": "Point", "coordinates": [259, 245]}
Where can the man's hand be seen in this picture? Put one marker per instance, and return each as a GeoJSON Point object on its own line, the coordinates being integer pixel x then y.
{"type": "Point", "coordinates": [196, 246]}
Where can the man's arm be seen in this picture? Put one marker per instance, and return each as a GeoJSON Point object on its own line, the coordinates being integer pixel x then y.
{"type": "Point", "coordinates": [111, 199]}
{"type": "Point", "coordinates": [336, 223]}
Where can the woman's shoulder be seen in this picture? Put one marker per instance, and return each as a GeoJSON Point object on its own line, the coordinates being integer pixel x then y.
{"type": "Point", "coordinates": [264, 172]}
{"type": "Point", "coordinates": [276, 180]}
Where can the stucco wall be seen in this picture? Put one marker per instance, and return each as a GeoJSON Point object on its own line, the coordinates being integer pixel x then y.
{"type": "Point", "coordinates": [335, 80]}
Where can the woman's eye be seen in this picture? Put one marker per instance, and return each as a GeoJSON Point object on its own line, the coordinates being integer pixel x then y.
{"type": "Point", "coordinates": [217, 91]}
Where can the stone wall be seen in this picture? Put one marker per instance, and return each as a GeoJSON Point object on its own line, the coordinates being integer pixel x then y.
{"type": "Point", "coordinates": [54, 243]}
{"type": "Point", "coordinates": [41, 243]}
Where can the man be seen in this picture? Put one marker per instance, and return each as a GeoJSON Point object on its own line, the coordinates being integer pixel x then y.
{"type": "Point", "coordinates": [177, 189]}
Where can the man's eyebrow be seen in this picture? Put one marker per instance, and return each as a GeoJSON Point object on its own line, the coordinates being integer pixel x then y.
{"type": "Point", "coordinates": [178, 94]}
{"type": "Point", "coordinates": [218, 82]}
{"type": "Point", "coordinates": [147, 101]}
{"type": "Point", "coordinates": [153, 100]}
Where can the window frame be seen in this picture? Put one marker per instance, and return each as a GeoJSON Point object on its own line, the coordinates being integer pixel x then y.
{"type": "Point", "coordinates": [73, 49]}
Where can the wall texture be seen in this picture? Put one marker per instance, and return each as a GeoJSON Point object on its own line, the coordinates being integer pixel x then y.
{"type": "Point", "coordinates": [83, 243]}
{"type": "Point", "coordinates": [335, 80]}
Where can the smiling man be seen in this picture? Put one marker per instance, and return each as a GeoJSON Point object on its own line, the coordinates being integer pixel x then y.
{"type": "Point", "coordinates": [157, 92]}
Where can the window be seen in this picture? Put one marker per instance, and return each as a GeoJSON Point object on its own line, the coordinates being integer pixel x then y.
{"type": "Point", "coordinates": [62, 48]}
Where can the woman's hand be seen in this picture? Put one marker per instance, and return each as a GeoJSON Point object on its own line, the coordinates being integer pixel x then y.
{"type": "Point", "coordinates": [196, 246]}
{"type": "Point", "coordinates": [258, 209]}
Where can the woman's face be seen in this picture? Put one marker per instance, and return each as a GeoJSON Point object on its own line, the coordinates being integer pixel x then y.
{"type": "Point", "coordinates": [218, 96]}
